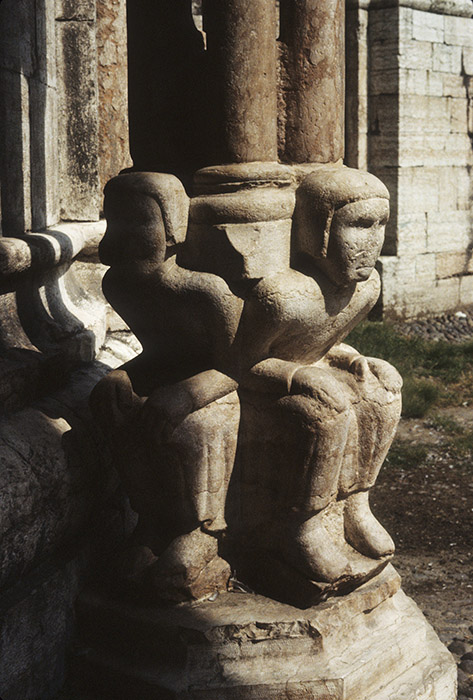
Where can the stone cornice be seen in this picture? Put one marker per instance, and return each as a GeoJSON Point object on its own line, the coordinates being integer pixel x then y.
{"type": "Point", "coordinates": [458, 8]}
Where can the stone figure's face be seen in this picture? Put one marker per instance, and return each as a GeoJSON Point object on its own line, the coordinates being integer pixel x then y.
{"type": "Point", "coordinates": [356, 238]}
{"type": "Point", "coordinates": [135, 229]}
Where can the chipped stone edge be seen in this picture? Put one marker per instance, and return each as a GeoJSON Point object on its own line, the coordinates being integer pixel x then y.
{"type": "Point", "coordinates": [457, 8]}
{"type": "Point", "coordinates": [64, 241]}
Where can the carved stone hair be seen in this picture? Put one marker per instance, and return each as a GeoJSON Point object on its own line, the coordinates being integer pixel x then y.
{"type": "Point", "coordinates": [321, 194]}
{"type": "Point", "coordinates": [166, 190]}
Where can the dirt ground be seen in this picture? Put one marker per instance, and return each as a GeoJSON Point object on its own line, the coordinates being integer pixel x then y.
{"type": "Point", "coordinates": [424, 498]}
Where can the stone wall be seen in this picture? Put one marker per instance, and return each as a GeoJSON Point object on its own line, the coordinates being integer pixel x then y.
{"type": "Point", "coordinates": [63, 114]}
{"type": "Point", "coordinates": [63, 133]}
{"type": "Point", "coordinates": [410, 121]}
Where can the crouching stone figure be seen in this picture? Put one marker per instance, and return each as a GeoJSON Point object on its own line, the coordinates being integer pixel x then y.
{"type": "Point", "coordinates": [246, 415]}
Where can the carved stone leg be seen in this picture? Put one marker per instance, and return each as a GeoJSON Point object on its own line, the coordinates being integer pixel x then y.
{"type": "Point", "coordinates": [175, 465]}
{"type": "Point", "coordinates": [377, 415]}
{"type": "Point", "coordinates": [289, 462]}
{"type": "Point", "coordinates": [195, 460]}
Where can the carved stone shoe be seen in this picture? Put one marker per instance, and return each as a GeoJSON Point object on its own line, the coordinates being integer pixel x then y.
{"type": "Point", "coordinates": [310, 548]}
{"type": "Point", "coordinates": [363, 531]}
{"type": "Point", "coordinates": [188, 569]}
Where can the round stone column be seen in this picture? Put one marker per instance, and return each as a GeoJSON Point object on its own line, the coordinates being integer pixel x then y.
{"type": "Point", "coordinates": [312, 35]}
{"type": "Point", "coordinates": [241, 44]}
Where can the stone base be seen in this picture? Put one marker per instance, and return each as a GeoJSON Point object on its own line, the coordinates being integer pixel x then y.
{"type": "Point", "coordinates": [373, 644]}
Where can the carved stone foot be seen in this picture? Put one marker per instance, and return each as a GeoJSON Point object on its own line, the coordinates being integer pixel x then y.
{"type": "Point", "coordinates": [363, 531]}
{"type": "Point", "coordinates": [188, 569]}
{"type": "Point", "coordinates": [308, 547]}
{"type": "Point", "coordinates": [140, 552]}
{"type": "Point", "coordinates": [304, 561]}
{"type": "Point", "coordinates": [133, 561]}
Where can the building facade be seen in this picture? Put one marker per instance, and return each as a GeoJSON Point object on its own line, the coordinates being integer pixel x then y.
{"type": "Point", "coordinates": [410, 121]}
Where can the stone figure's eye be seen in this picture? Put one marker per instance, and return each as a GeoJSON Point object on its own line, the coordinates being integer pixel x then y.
{"type": "Point", "coordinates": [365, 222]}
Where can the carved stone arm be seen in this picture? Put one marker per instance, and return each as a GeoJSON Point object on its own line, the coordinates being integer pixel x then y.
{"type": "Point", "coordinates": [341, 355]}
{"type": "Point", "coordinates": [270, 376]}
{"type": "Point", "coordinates": [167, 406]}
{"type": "Point", "coordinates": [344, 356]}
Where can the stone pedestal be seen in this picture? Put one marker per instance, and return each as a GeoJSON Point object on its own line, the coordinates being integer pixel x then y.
{"type": "Point", "coordinates": [373, 644]}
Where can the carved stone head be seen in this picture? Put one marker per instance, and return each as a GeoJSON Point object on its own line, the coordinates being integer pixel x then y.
{"type": "Point", "coordinates": [339, 222]}
{"type": "Point", "coordinates": [146, 215]}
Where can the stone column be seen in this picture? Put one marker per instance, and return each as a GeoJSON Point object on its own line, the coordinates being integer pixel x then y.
{"type": "Point", "coordinates": [28, 116]}
{"type": "Point", "coordinates": [356, 108]}
{"type": "Point", "coordinates": [78, 110]}
{"type": "Point", "coordinates": [313, 32]}
{"type": "Point", "coordinates": [112, 88]}
{"type": "Point", "coordinates": [241, 41]}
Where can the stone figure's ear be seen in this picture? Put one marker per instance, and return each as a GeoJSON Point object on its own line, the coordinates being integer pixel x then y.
{"type": "Point", "coordinates": [326, 235]}
{"type": "Point", "coordinates": [311, 222]}
{"type": "Point", "coordinates": [172, 198]}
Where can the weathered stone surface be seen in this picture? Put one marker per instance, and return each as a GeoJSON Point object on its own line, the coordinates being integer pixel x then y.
{"type": "Point", "coordinates": [356, 108]}
{"type": "Point", "coordinates": [47, 129]}
{"type": "Point", "coordinates": [78, 10]}
{"type": "Point", "coordinates": [274, 513]}
{"type": "Point", "coordinates": [458, 31]}
{"type": "Point", "coordinates": [419, 137]}
{"type": "Point", "coordinates": [372, 643]}
{"type": "Point", "coordinates": [57, 486]}
{"type": "Point", "coordinates": [48, 324]}
{"type": "Point", "coordinates": [243, 66]}
{"type": "Point", "coordinates": [314, 97]}
{"type": "Point", "coordinates": [458, 8]}
{"type": "Point", "coordinates": [442, 238]}
{"type": "Point", "coordinates": [428, 27]}
{"type": "Point", "coordinates": [446, 59]}
{"type": "Point", "coordinates": [48, 473]}
{"type": "Point", "coordinates": [17, 48]}
{"type": "Point", "coordinates": [35, 631]}
{"type": "Point", "coordinates": [467, 54]}
{"type": "Point", "coordinates": [16, 187]}
{"type": "Point", "coordinates": [412, 232]}
{"type": "Point", "coordinates": [78, 123]}
{"type": "Point", "coordinates": [450, 264]}
{"type": "Point", "coordinates": [466, 289]}
{"type": "Point", "coordinates": [113, 91]}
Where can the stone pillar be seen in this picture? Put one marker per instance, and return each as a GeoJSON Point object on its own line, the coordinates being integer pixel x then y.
{"type": "Point", "coordinates": [356, 107]}
{"type": "Point", "coordinates": [410, 77]}
{"type": "Point", "coordinates": [244, 67]}
{"type": "Point", "coordinates": [313, 33]}
{"type": "Point", "coordinates": [28, 116]}
{"type": "Point", "coordinates": [78, 105]}
{"type": "Point", "coordinates": [113, 93]}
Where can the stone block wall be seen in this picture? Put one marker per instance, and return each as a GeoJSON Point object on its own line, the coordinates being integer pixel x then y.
{"type": "Point", "coordinates": [409, 121]}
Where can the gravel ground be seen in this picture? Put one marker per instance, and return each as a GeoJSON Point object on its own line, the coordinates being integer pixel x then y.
{"type": "Point", "coordinates": [426, 502]}
{"type": "Point", "coordinates": [427, 505]}
{"type": "Point", "coordinates": [454, 328]}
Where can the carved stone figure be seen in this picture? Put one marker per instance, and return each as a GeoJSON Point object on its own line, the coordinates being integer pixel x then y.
{"type": "Point", "coordinates": [335, 412]}
{"type": "Point", "coordinates": [170, 415]}
{"type": "Point", "coordinates": [316, 417]}
{"type": "Point", "coordinates": [247, 434]}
